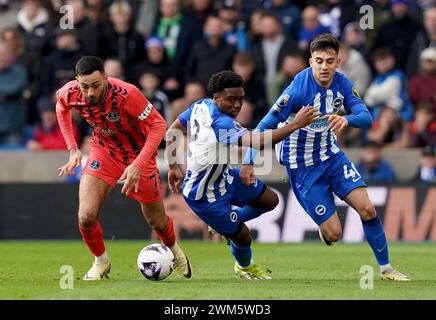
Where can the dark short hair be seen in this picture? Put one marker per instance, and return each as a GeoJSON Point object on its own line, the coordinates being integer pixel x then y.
{"type": "Point", "coordinates": [382, 52]}
{"type": "Point", "coordinates": [88, 64]}
{"type": "Point", "coordinates": [324, 42]}
{"type": "Point", "coordinates": [223, 80]}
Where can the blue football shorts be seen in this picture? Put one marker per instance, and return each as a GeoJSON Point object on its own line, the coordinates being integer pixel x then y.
{"type": "Point", "coordinates": [219, 214]}
{"type": "Point", "coordinates": [314, 186]}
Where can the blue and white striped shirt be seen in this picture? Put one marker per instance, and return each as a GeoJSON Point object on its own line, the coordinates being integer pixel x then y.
{"type": "Point", "coordinates": [211, 133]}
{"type": "Point", "coordinates": [316, 142]}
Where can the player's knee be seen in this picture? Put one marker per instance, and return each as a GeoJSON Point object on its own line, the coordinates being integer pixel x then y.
{"type": "Point", "coordinates": [333, 235]}
{"type": "Point", "coordinates": [368, 211]}
{"type": "Point", "coordinates": [271, 202]}
{"type": "Point", "coordinates": [87, 221]}
{"type": "Point", "coordinates": [274, 201]}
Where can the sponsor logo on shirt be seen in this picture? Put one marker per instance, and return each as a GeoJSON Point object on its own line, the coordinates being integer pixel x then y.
{"type": "Point", "coordinates": [319, 124]}
{"type": "Point", "coordinates": [146, 113]}
{"type": "Point", "coordinates": [107, 132]}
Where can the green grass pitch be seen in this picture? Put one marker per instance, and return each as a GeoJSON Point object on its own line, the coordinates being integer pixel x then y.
{"type": "Point", "coordinates": [31, 270]}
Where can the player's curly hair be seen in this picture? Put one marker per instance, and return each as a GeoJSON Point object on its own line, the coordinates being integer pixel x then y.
{"type": "Point", "coordinates": [224, 79]}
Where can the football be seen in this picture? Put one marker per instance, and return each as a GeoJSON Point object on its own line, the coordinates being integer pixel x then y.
{"type": "Point", "coordinates": [155, 262]}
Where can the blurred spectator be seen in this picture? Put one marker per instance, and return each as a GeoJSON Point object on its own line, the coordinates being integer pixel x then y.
{"type": "Point", "coordinates": [114, 68]}
{"type": "Point", "coordinates": [423, 39]}
{"type": "Point", "coordinates": [147, 14]}
{"type": "Point", "coordinates": [156, 61]}
{"type": "Point", "coordinates": [245, 116]}
{"type": "Point", "coordinates": [293, 63]}
{"type": "Point", "coordinates": [192, 31]}
{"type": "Point", "coordinates": [8, 14]}
{"type": "Point", "coordinates": [270, 52]}
{"type": "Point", "coordinates": [98, 11]}
{"type": "Point", "coordinates": [336, 14]}
{"type": "Point", "coordinates": [382, 14]}
{"type": "Point", "coordinates": [31, 61]}
{"type": "Point", "coordinates": [398, 33]}
{"type": "Point", "coordinates": [12, 111]}
{"type": "Point", "coordinates": [354, 66]}
{"type": "Point", "coordinates": [4, 5]}
{"type": "Point", "coordinates": [422, 87]}
{"type": "Point", "coordinates": [389, 87]}
{"type": "Point", "coordinates": [311, 27]}
{"type": "Point", "coordinates": [354, 37]}
{"type": "Point", "coordinates": [289, 16]}
{"type": "Point", "coordinates": [87, 32]}
{"type": "Point", "coordinates": [33, 23]}
{"type": "Point", "coordinates": [193, 91]}
{"type": "Point", "coordinates": [427, 166]}
{"type": "Point", "coordinates": [210, 55]}
{"type": "Point", "coordinates": [372, 167]}
{"type": "Point", "coordinates": [59, 65]}
{"type": "Point", "coordinates": [120, 40]}
{"type": "Point", "coordinates": [47, 135]}
{"type": "Point", "coordinates": [255, 28]}
{"type": "Point", "coordinates": [389, 130]}
{"type": "Point", "coordinates": [235, 32]}
{"type": "Point", "coordinates": [149, 85]}
{"type": "Point", "coordinates": [168, 25]}
{"type": "Point", "coordinates": [423, 128]}
{"type": "Point", "coordinates": [243, 64]}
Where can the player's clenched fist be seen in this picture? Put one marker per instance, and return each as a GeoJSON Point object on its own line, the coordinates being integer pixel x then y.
{"type": "Point", "coordinates": [306, 116]}
{"type": "Point", "coordinates": [74, 162]}
{"type": "Point", "coordinates": [337, 123]}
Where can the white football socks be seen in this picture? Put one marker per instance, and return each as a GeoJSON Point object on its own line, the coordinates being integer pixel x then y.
{"type": "Point", "coordinates": [385, 267]}
{"type": "Point", "coordinates": [102, 259]}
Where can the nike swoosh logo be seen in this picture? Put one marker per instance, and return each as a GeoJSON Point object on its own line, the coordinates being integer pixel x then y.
{"type": "Point", "coordinates": [380, 250]}
{"type": "Point", "coordinates": [354, 180]}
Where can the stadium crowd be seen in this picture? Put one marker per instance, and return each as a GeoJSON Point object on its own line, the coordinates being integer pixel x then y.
{"type": "Point", "coordinates": [170, 48]}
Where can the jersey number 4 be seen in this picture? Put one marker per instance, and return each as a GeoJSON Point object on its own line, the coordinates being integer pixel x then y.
{"type": "Point", "coordinates": [351, 173]}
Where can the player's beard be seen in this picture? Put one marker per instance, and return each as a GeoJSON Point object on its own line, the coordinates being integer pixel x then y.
{"type": "Point", "coordinates": [92, 100]}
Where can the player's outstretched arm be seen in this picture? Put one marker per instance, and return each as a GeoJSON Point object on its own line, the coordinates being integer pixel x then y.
{"type": "Point", "coordinates": [257, 140]}
{"type": "Point", "coordinates": [63, 114]}
{"type": "Point", "coordinates": [174, 137]}
{"type": "Point", "coordinates": [303, 118]}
